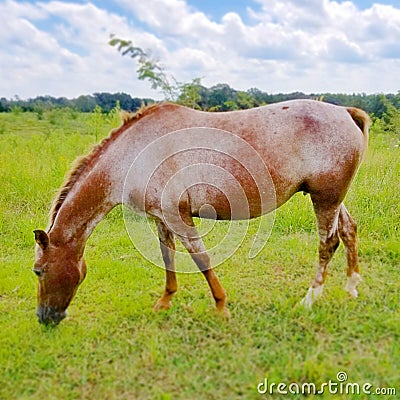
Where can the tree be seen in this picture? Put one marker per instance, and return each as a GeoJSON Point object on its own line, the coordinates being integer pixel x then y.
{"type": "Point", "coordinates": [391, 118]}
{"type": "Point", "coordinates": [148, 68]}
{"type": "Point", "coordinates": [106, 101]}
{"type": "Point", "coordinates": [245, 100]}
{"type": "Point", "coordinates": [220, 97]}
{"type": "Point", "coordinates": [190, 94]}
{"type": "Point", "coordinates": [85, 103]}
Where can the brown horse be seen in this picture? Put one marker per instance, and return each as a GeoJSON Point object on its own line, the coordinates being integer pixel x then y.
{"type": "Point", "coordinates": [173, 163]}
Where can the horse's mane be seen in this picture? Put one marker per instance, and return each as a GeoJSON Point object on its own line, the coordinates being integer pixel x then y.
{"type": "Point", "coordinates": [82, 162]}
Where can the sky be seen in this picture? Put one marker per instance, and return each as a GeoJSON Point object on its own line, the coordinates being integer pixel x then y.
{"type": "Point", "coordinates": [60, 48]}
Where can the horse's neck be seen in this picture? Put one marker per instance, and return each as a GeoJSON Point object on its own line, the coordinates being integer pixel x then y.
{"type": "Point", "coordinates": [89, 200]}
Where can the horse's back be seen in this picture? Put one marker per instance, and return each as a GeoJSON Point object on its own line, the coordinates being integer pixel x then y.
{"type": "Point", "coordinates": [276, 149]}
{"type": "Point", "coordinates": [306, 145]}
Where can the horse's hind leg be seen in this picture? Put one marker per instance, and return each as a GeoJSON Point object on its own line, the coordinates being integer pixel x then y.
{"type": "Point", "coordinates": [327, 221]}
{"type": "Point", "coordinates": [167, 245]}
{"type": "Point", "coordinates": [348, 234]}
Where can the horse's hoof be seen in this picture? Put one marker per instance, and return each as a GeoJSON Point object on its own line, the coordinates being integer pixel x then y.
{"type": "Point", "coordinates": [162, 305]}
{"type": "Point", "coordinates": [352, 292]}
{"type": "Point", "coordinates": [306, 303]}
{"type": "Point", "coordinates": [352, 282]}
{"type": "Point", "coordinates": [311, 296]}
{"type": "Point", "coordinates": [224, 312]}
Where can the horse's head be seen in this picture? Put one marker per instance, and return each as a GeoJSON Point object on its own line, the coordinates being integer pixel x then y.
{"type": "Point", "coordinates": [60, 270]}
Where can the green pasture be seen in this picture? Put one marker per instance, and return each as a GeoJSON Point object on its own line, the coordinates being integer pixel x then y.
{"type": "Point", "coordinates": [113, 346]}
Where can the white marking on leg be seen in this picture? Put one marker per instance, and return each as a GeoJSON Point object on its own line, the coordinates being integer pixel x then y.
{"type": "Point", "coordinates": [335, 224]}
{"type": "Point", "coordinates": [352, 282]}
{"type": "Point", "coordinates": [312, 295]}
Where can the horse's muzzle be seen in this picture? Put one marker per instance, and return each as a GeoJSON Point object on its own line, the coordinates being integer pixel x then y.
{"type": "Point", "coordinates": [50, 316]}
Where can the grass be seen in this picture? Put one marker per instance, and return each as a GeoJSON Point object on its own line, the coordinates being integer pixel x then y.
{"type": "Point", "coordinates": [112, 345]}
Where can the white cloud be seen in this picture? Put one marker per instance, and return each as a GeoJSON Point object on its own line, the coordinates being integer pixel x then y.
{"type": "Point", "coordinates": [172, 18]}
{"type": "Point", "coordinates": [71, 59]}
{"type": "Point", "coordinates": [294, 14]}
{"type": "Point", "coordinates": [60, 48]}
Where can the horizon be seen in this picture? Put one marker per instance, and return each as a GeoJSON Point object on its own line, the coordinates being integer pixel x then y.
{"type": "Point", "coordinates": [18, 98]}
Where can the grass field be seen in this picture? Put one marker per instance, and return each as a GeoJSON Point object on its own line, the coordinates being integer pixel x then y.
{"type": "Point", "coordinates": [113, 346]}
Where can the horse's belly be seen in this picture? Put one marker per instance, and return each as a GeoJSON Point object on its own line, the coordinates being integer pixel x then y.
{"type": "Point", "coordinates": [231, 202]}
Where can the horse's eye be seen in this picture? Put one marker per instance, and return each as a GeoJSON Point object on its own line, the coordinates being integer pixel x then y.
{"type": "Point", "coordinates": [38, 272]}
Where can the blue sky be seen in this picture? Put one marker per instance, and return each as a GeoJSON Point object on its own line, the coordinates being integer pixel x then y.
{"type": "Point", "coordinates": [60, 48]}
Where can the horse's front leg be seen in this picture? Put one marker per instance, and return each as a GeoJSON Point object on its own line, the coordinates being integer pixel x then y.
{"type": "Point", "coordinates": [167, 244]}
{"type": "Point", "coordinates": [195, 246]}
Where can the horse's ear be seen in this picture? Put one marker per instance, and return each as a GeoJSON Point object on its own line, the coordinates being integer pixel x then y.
{"type": "Point", "coordinates": [42, 239]}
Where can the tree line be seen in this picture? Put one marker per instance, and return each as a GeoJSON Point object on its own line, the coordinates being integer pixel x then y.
{"type": "Point", "coordinates": [84, 103]}
{"type": "Point", "coordinates": [220, 97]}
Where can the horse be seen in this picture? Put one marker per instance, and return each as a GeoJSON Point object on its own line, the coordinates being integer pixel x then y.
{"type": "Point", "coordinates": [171, 162]}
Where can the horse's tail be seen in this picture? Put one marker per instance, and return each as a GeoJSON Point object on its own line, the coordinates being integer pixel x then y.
{"type": "Point", "coordinates": [362, 120]}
